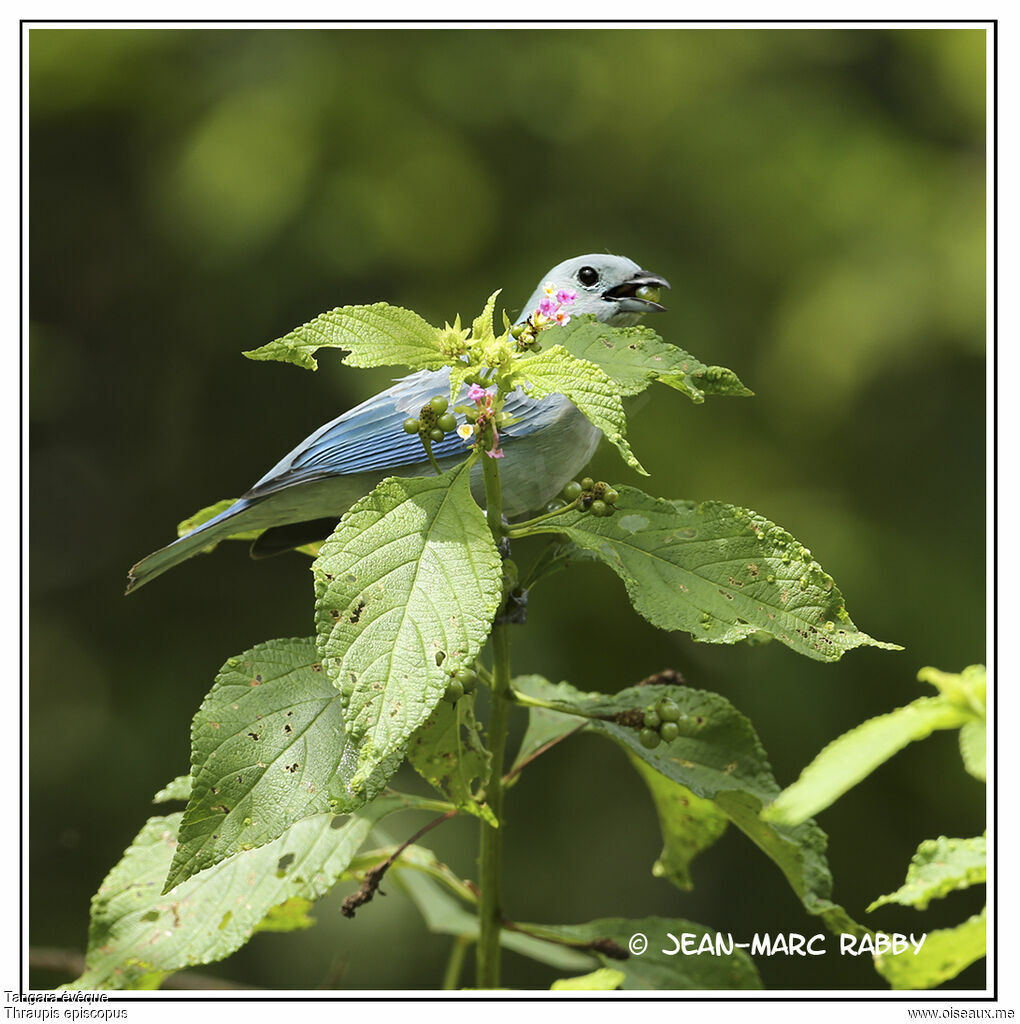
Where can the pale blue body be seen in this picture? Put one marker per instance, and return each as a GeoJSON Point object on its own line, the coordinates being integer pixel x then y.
{"type": "Point", "coordinates": [344, 459]}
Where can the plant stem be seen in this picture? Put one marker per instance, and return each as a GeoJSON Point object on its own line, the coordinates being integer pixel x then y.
{"type": "Point", "coordinates": [523, 529]}
{"type": "Point", "coordinates": [490, 849]}
{"type": "Point", "coordinates": [451, 979]}
{"type": "Point", "coordinates": [490, 911]}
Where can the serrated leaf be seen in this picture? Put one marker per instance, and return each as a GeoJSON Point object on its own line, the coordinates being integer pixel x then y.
{"type": "Point", "coordinates": [408, 585]}
{"type": "Point", "coordinates": [973, 749]}
{"type": "Point", "coordinates": [179, 789]}
{"type": "Point", "coordinates": [662, 966]}
{"type": "Point", "coordinates": [718, 572]}
{"type": "Point", "coordinates": [265, 746]}
{"type": "Point", "coordinates": [689, 824]}
{"type": "Point", "coordinates": [448, 752]}
{"type": "Point", "coordinates": [945, 953]}
{"type": "Point", "coordinates": [482, 326]}
{"type": "Point", "coordinates": [939, 867]}
{"type": "Point", "coordinates": [376, 335]}
{"type": "Point", "coordinates": [135, 931]}
{"type": "Point", "coordinates": [635, 357]}
{"type": "Point", "coordinates": [605, 979]}
{"type": "Point", "coordinates": [718, 757]}
{"type": "Point", "coordinates": [556, 371]}
{"type": "Point", "coordinates": [857, 753]}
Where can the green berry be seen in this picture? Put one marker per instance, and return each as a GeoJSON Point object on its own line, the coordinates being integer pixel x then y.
{"type": "Point", "coordinates": [436, 434]}
{"type": "Point", "coordinates": [518, 330]}
{"type": "Point", "coordinates": [649, 739]}
{"type": "Point", "coordinates": [587, 484]}
{"type": "Point", "coordinates": [439, 405]}
{"type": "Point", "coordinates": [447, 422]}
{"type": "Point", "coordinates": [572, 491]}
{"type": "Point", "coordinates": [669, 731]}
{"type": "Point", "coordinates": [454, 691]}
{"type": "Point", "coordinates": [647, 292]}
{"type": "Point", "coordinates": [669, 710]}
{"type": "Point", "coordinates": [610, 496]}
{"type": "Point", "coordinates": [652, 719]}
{"type": "Point", "coordinates": [411, 426]}
{"type": "Point", "coordinates": [555, 505]}
{"type": "Point", "coordinates": [600, 509]}
{"type": "Point", "coordinates": [467, 679]}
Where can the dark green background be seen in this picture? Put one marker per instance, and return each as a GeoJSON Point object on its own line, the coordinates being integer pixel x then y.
{"type": "Point", "coordinates": [817, 199]}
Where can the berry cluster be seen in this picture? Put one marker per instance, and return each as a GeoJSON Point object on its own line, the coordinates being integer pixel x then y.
{"type": "Point", "coordinates": [461, 682]}
{"type": "Point", "coordinates": [433, 422]}
{"type": "Point", "coordinates": [661, 723]}
{"type": "Point", "coordinates": [589, 495]}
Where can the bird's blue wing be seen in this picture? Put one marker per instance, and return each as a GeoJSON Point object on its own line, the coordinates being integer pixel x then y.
{"type": "Point", "coordinates": [371, 437]}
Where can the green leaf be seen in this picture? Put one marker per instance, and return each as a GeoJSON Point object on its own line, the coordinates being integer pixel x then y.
{"type": "Point", "coordinates": [203, 515]}
{"type": "Point", "coordinates": [689, 824]}
{"type": "Point", "coordinates": [448, 752]}
{"type": "Point", "coordinates": [556, 371]}
{"type": "Point", "coordinates": [718, 757]}
{"type": "Point", "coordinates": [857, 753]}
{"type": "Point", "coordinates": [408, 586]}
{"type": "Point", "coordinates": [939, 867]}
{"type": "Point", "coordinates": [482, 327]}
{"type": "Point", "coordinates": [376, 335]}
{"type": "Point", "coordinates": [943, 956]}
{"type": "Point", "coordinates": [966, 689]}
{"type": "Point", "coordinates": [179, 789]}
{"type": "Point", "coordinates": [544, 725]}
{"type": "Point", "coordinates": [265, 746]}
{"type": "Point", "coordinates": [718, 572]}
{"type": "Point", "coordinates": [605, 979]}
{"type": "Point", "coordinates": [973, 744]}
{"type": "Point", "coordinates": [135, 931]}
{"type": "Point", "coordinates": [416, 872]}
{"type": "Point", "coordinates": [635, 357]}
{"type": "Point", "coordinates": [290, 916]}
{"type": "Point", "coordinates": [659, 967]}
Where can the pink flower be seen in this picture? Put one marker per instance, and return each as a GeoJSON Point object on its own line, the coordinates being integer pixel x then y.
{"type": "Point", "coordinates": [476, 394]}
{"type": "Point", "coordinates": [496, 453]}
{"type": "Point", "coordinates": [565, 296]}
{"type": "Point", "coordinates": [547, 307]}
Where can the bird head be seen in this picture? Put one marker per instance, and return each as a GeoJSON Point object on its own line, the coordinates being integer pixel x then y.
{"type": "Point", "coordinates": [614, 288]}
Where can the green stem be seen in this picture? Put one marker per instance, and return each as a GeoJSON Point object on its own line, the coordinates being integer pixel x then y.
{"type": "Point", "coordinates": [451, 980]}
{"type": "Point", "coordinates": [427, 445]}
{"type": "Point", "coordinates": [523, 529]}
{"type": "Point", "coordinates": [490, 851]}
{"type": "Point", "coordinates": [536, 702]}
{"type": "Point", "coordinates": [490, 911]}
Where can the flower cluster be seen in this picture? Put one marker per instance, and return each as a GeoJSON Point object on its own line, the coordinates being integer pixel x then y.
{"type": "Point", "coordinates": [552, 311]}
{"type": "Point", "coordinates": [554, 303]}
{"type": "Point", "coordinates": [482, 414]}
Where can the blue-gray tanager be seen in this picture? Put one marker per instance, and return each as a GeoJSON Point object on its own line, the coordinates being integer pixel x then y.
{"type": "Point", "coordinates": [305, 493]}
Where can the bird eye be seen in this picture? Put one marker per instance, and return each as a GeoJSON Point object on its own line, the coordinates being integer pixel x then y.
{"type": "Point", "coordinates": [588, 276]}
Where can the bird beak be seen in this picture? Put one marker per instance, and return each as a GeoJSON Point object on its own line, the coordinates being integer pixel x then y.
{"type": "Point", "coordinates": [627, 298]}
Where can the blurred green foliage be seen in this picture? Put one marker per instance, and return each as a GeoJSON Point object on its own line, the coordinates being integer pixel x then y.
{"type": "Point", "coordinates": [817, 199]}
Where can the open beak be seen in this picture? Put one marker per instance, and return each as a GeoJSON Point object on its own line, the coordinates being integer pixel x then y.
{"type": "Point", "coordinates": [639, 293]}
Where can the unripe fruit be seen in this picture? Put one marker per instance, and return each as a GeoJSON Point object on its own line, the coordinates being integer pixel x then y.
{"type": "Point", "coordinates": [669, 731]}
{"type": "Point", "coordinates": [439, 405]}
{"type": "Point", "coordinates": [436, 434]}
{"type": "Point", "coordinates": [648, 292]}
{"type": "Point", "coordinates": [652, 719]}
{"type": "Point", "coordinates": [572, 491]}
{"type": "Point", "coordinates": [649, 739]}
{"type": "Point", "coordinates": [610, 496]}
{"type": "Point", "coordinates": [411, 426]}
{"type": "Point", "coordinates": [599, 508]}
{"type": "Point", "coordinates": [555, 505]}
{"type": "Point", "coordinates": [447, 422]}
{"type": "Point", "coordinates": [454, 691]}
{"type": "Point", "coordinates": [587, 484]}
{"type": "Point", "coordinates": [669, 710]}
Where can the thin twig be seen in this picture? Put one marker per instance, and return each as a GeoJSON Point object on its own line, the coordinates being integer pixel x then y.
{"type": "Point", "coordinates": [540, 751]}
{"type": "Point", "coordinates": [375, 875]}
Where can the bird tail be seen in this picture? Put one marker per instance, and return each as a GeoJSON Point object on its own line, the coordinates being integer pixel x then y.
{"type": "Point", "coordinates": [212, 532]}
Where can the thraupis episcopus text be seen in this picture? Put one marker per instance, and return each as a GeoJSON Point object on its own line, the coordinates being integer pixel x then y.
{"type": "Point", "coordinates": [301, 498]}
